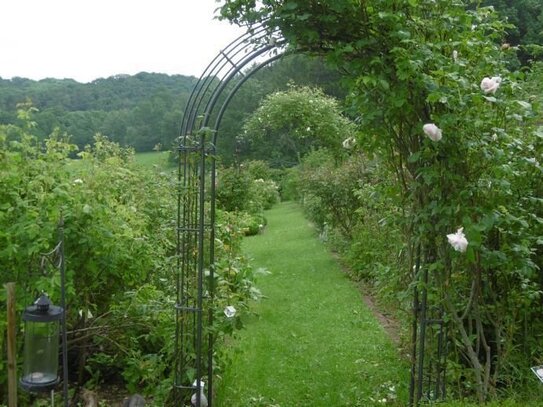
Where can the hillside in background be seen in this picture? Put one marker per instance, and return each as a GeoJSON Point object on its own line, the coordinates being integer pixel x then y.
{"type": "Point", "coordinates": [141, 110]}
{"type": "Point", "coordinates": [145, 110]}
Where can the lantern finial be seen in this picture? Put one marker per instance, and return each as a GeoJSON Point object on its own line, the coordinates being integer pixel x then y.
{"type": "Point", "coordinates": [43, 303]}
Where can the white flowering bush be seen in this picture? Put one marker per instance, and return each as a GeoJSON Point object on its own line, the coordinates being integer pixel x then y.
{"type": "Point", "coordinates": [290, 124]}
{"type": "Point", "coordinates": [264, 192]}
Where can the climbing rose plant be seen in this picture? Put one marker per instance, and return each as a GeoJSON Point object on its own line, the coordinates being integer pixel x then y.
{"type": "Point", "coordinates": [437, 66]}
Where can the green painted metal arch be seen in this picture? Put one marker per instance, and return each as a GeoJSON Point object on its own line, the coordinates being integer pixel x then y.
{"type": "Point", "coordinates": [195, 229]}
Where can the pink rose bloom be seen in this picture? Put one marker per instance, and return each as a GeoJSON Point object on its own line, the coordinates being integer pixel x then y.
{"type": "Point", "coordinates": [491, 85]}
{"type": "Point", "coordinates": [432, 131]}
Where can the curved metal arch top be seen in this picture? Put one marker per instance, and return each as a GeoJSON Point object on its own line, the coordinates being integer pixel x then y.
{"type": "Point", "coordinates": [231, 67]}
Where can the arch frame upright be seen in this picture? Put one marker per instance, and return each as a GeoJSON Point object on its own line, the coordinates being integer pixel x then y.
{"type": "Point", "coordinates": [195, 229]}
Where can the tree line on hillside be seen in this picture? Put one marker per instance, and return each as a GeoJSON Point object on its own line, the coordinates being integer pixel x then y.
{"type": "Point", "coordinates": [144, 111]}
{"type": "Point", "coordinates": [139, 111]}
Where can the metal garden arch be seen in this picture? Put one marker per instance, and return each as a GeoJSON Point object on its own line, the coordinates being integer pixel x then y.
{"type": "Point", "coordinates": [195, 251]}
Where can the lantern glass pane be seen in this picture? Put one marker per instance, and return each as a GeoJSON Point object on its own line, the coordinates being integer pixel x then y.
{"type": "Point", "coordinates": [41, 352]}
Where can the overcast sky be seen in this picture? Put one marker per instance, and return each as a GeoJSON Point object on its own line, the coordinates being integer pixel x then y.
{"type": "Point", "coordinates": [89, 39]}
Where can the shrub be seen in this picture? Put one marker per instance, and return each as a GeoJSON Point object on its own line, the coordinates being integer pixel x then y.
{"type": "Point", "coordinates": [264, 192]}
{"type": "Point", "coordinates": [258, 169]}
{"type": "Point", "coordinates": [329, 190]}
{"type": "Point", "coordinates": [119, 245]}
{"type": "Point", "coordinates": [233, 189]}
{"type": "Point", "coordinates": [244, 189]}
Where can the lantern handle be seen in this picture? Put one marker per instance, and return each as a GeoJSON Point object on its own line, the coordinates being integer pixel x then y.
{"type": "Point", "coordinates": [51, 257]}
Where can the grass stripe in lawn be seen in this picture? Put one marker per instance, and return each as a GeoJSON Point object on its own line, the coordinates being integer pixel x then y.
{"type": "Point", "coordinates": [313, 341]}
{"type": "Point", "coordinates": [158, 158]}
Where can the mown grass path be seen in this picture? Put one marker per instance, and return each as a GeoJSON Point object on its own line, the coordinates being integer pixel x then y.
{"type": "Point", "coordinates": [313, 341]}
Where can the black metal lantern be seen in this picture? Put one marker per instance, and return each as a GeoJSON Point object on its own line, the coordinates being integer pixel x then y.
{"type": "Point", "coordinates": [41, 345]}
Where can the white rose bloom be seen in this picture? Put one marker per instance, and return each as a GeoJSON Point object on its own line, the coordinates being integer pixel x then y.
{"type": "Point", "coordinates": [491, 85]}
{"type": "Point", "coordinates": [458, 240]}
{"type": "Point", "coordinates": [230, 311]}
{"type": "Point", "coordinates": [432, 131]}
{"type": "Point", "coordinates": [203, 398]}
{"type": "Point", "coordinates": [349, 143]}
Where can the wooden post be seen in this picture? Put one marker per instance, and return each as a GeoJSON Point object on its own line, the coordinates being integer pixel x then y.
{"type": "Point", "coordinates": [12, 364]}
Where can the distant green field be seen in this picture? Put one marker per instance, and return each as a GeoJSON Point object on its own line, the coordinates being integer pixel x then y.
{"type": "Point", "coordinates": [149, 159]}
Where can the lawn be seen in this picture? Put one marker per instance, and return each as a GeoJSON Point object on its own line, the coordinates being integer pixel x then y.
{"type": "Point", "coordinates": [312, 341]}
{"type": "Point", "coordinates": [158, 158]}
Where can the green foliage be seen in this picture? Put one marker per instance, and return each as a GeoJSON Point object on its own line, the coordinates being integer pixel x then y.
{"type": "Point", "coordinates": [239, 191]}
{"type": "Point", "coordinates": [233, 189]}
{"type": "Point", "coordinates": [265, 192]}
{"type": "Point", "coordinates": [258, 169]}
{"type": "Point", "coordinates": [234, 275]}
{"type": "Point", "coordinates": [289, 124]}
{"type": "Point", "coordinates": [329, 191]}
{"type": "Point", "coordinates": [290, 184]}
{"type": "Point", "coordinates": [417, 62]}
{"type": "Point", "coordinates": [375, 252]}
{"type": "Point", "coordinates": [139, 111]}
{"type": "Point", "coordinates": [35, 186]}
{"type": "Point", "coordinates": [526, 19]}
{"type": "Point", "coordinates": [119, 230]}
{"type": "Point", "coordinates": [139, 341]}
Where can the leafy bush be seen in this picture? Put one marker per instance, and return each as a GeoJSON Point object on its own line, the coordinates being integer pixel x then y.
{"type": "Point", "coordinates": [257, 169]}
{"type": "Point", "coordinates": [329, 190]}
{"type": "Point", "coordinates": [243, 188]}
{"type": "Point", "coordinates": [290, 184]}
{"type": "Point", "coordinates": [264, 192]}
{"type": "Point", "coordinates": [136, 339]}
{"type": "Point", "coordinates": [251, 224]}
{"type": "Point", "coordinates": [119, 244]}
{"type": "Point", "coordinates": [233, 189]}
